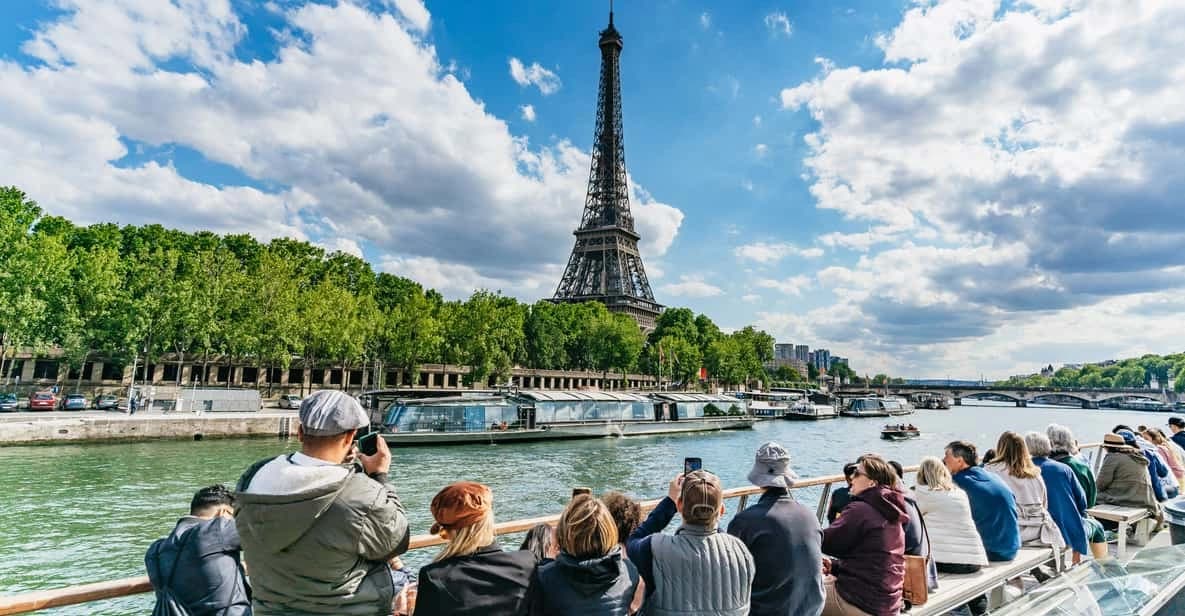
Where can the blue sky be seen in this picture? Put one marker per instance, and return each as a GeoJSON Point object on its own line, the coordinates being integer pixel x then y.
{"type": "Point", "coordinates": [957, 187]}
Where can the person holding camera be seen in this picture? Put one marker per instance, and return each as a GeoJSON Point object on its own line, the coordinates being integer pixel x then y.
{"type": "Point", "coordinates": [319, 526]}
{"type": "Point", "coordinates": [700, 570]}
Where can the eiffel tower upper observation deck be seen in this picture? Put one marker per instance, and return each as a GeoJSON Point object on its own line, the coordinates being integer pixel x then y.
{"type": "Point", "coordinates": [605, 265]}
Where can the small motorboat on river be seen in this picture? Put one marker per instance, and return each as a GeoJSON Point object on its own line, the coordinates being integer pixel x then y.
{"type": "Point", "coordinates": [554, 415]}
{"type": "Point", "coordinates": [900, 432]}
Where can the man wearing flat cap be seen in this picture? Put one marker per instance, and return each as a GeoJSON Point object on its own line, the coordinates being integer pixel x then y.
{"type": "Point", "coordinates": [785, 539]}
{"type": "Point", "coordinates": [318, 526]}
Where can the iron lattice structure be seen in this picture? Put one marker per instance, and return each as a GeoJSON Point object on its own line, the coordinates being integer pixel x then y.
{"type": "Point", "coordinates": [605, 265]}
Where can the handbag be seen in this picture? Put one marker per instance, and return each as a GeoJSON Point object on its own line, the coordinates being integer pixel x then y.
{"type": "Point", "coordinates": [915, 590]}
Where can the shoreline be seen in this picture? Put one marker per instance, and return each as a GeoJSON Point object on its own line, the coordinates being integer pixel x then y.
{"type": "Point", "coordinates": [111, 427]}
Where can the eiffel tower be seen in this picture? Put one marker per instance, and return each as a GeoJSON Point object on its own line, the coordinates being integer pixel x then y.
{"type": "Point", "coordinates": [605, 265]}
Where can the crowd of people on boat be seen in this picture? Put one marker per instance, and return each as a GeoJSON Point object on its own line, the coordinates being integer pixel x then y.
{"type": "Point", "coordinates": [321, 531]}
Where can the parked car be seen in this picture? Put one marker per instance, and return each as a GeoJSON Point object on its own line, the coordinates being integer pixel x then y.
{"type": "Point", "coordinates": [8, 402]}
{"type": "Point", "coordinates": [105, 402]}
{"type": "Point", "coordinates": [42, 401]}
{"type": "Point", "coordinates": [73, 402]}
{"type": "Point", "coordinates": [288, 401]}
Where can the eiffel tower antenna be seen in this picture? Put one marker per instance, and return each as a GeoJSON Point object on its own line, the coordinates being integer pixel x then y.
{"type": "Point", "coordinates": [605, 265]}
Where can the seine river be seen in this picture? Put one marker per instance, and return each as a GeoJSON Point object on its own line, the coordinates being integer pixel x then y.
{"type": "Point", "coordinates": [77, 514]}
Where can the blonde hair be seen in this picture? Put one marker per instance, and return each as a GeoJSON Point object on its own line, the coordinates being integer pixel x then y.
{"type": "Point", "coordinates": [1012, 452]}
{"type": "Point", "coordinates": [467, 540]}
{"type": "Point", "coordinates": [933, 474]}
{"type": "Point", "coordinates": [586, 529]}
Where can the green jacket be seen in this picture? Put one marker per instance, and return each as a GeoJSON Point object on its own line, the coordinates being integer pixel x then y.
{"type": "Point", "coordinates": [321, 550]}
{"type": "Point", "coordinates": [1082, 472]}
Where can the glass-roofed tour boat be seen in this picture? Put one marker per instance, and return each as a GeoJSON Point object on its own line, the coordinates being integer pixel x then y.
{"type": "Point", "coordinates": [551, 415]}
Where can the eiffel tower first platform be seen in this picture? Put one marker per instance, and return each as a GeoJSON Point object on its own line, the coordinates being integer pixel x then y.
{"type": "Point", "coordinates": [605, 265]}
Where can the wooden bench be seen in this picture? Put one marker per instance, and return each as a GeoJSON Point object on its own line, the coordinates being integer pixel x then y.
{"type": "Point", "coordinates": [955, 589]}
{"type": "Point", "coordinates": [1124, 516]}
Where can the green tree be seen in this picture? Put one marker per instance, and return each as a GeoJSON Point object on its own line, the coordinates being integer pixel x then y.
{"type": "Point", "coordinates": [411, 332]}
{"type": "Point", "coordinates": [679, 358]}
{"type": "Point", "coordinates": [1130, 376]}
{"type": "Point", "coordinates": [546, 336]}
{"type": "Point", "coordinates": [812, 372]}
{"type": "Point", "coordinates": [725, 361]}
{"type": "Point", "coordinates": [880, 380]}
{"type": "Point", "coordinates": [617, 342]}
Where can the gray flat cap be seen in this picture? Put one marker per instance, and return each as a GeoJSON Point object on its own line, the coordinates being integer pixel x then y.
{"type": "Point", "coordinates": [328, 413]}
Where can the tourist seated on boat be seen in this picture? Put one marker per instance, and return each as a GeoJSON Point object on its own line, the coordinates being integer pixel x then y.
{"type": "Point", "coordinates": [865, 547]}
{"type": "Point", "coordinates": [318, 526]}
{"type": "Point", "coordinates": [1065, 498]}
{"type": "Point", "coordinates": [784, 538]}
{"type": "Point", "coordinates": [472, 575]}
{"type": "Point", "coordinates": [916, 543]}
{"type": "Point", "coordinates": [989, 456]}
{"type": "Point", "coordinates": [627, 515]}
{"type": "Point", "coordinates": [1123, 479]}
{"type": "Point", "coordinates": [1065, 450]}
{"type": "Point", "coordinates": [993, 506]}
{"type": "Point", "coordinates": [841, 496]}
{"type": "Point", "coordinates": [590, 575]}
{"type": "Point", "coordinates": [1168, 451]}
{"type": "Point", "coordinates": [703, 570]}
{"type": "Point", "coordinates": [197, 567]}
{"type": "Point", "coordinates": [956, 545]}
{"type": "Point", "coordinates": [1158, 471]}
{"type": "Point", "coordinates": [541, 542]}
{"type": "Point", "coordinates": [1015, 467]}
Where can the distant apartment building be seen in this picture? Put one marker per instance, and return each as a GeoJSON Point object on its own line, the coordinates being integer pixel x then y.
{"type": "Point", "coordinates": [839, 360]}
{"type": "Point", "coordinates": [802, 353]}
{"type": "Point", "coordinates": [784, 351]}
{"type": "Point", "coordinates": [822, 359]}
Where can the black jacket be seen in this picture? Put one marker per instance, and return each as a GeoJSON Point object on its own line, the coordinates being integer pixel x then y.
{"type": "Point", "coordinates": [786, 542]}
{"type": "Point", "coordinates": [489, 582]}
{"type": "Point", "coordinates": [199, 562]}
{"type": "Point", "coordinates": [601, 586]}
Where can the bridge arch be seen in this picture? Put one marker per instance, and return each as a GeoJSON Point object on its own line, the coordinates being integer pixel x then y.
{"type": "Point", "coordinates": [975, 395]}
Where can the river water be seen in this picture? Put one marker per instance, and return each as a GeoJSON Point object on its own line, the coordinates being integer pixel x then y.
{"type": "Point", "coordinates": [78, 514]}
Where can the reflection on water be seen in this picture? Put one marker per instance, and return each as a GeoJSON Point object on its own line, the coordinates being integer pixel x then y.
{"type": "Point", "coordinates": [75, 514]}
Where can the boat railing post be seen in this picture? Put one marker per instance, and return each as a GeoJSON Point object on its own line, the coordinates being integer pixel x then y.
{"type": "Point", "coordinates": [744, 503]}
{"type": "Point", "coordinates": [822, 509]}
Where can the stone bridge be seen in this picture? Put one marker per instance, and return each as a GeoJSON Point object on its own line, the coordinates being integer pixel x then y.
{"type": "Point", "coordinates": [1090, 398]}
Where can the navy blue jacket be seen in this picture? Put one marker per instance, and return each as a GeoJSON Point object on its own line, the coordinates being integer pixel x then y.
{"type": "Point", "coordinates": [638, 546]}
{"type": "Point", "coordinates": [787, 546]}
{"type": "Point", "coordinates": [993, 508]}
{"type": "Point", "coordinates": [1179, 438]}
{"type": "Point", "coordinates": [199, 562]}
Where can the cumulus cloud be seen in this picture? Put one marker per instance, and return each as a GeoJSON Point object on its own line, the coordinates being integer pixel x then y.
{"type": "Point", "coordinates": [691, 286]}
{"type": "Point", "coordinates": [768, 252]}
{"type": "Point", "coordinates": [528, 112]}
{"type": "Point", "coordinates": [705, 20]}
{"type": "Point", "coordinates": [415, 13]}
{"type": "Point", "coordinates": [794, 285]}
{"type": "Point", "coordinates": [355, 135]}
{"type": "Point", "coordinates": [1009, 161]}
{"type": "Point", "coordinates": [760, 150]}
{"type": "Point", "coordinates": [778, 24]}
{"type": "Point", "coordinates": [547, 81]}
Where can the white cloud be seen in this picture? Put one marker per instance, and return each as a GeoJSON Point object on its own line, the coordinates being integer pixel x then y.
{"type": "Point", "coordinates": [760, 150]}
{"type": "Point", "coordinates": [705, 20]}
{"type": "Point", "coordinates": [778, 24]}
{"type": "Point", "coordinates": [1008, 164]}
{"type": "Point", "coordinates": [767, 252]}
{"type": "Point", "coordinates": [794, 285]}
{"type": "Point", "coordinates": [691, 286]}
{"type": "Point", "coordinates": [415, 13]}
{"type": "Point", "coordinates": [547, 81]}
{"type": "Point", "coordinates": [747, 185]}
{"type": "Point", "coordinates": [750, 298]}
{"type": "Point", "coordinates": [528, 112]}
{"type": "Point", "coordinates": [353, 135]}
{"type": "Point", "coordinates": [757, 121]}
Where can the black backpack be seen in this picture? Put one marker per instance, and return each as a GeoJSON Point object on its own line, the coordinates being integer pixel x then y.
{"type": "Point", "coordinates": [167, 602]}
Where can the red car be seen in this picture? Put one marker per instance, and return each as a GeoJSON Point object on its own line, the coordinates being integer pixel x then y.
{"type": "Point", "coordinates": [42, 401]}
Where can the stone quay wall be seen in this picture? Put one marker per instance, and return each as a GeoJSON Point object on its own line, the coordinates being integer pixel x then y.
{"type": "Point", "coordinates": [24, 430]}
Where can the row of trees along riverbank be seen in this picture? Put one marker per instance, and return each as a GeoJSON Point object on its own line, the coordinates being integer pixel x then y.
{"type": "Point", "coordinates": [1126, 373]}
{"type": "Point", "coordinates": [144, 292]}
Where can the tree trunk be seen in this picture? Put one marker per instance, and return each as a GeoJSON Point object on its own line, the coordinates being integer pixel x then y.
{"type": "Point", "coordinates": [78, 383]}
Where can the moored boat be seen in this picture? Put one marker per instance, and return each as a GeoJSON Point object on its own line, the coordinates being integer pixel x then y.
{"type": "Point", "coordinates": [771, 404]}
{"type": "Point", "coordinates": [933, 401]}
{"type": "Point", "coordinates": [807, 410]}
{"type": "Point", "coordinates": [864, 407]}
{"type": "Point", "coordinates": [555, 415]}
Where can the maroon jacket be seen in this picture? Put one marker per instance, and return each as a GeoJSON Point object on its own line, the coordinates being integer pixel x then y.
{"type": "Point", "coordinates": [867, 546]}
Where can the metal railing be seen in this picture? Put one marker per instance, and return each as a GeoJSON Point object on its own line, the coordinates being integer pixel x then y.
{"type": "Point", "coordinates": [98, 591]}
